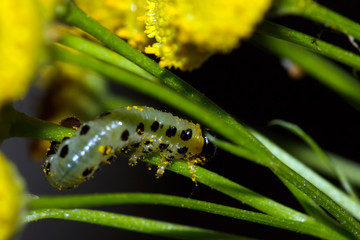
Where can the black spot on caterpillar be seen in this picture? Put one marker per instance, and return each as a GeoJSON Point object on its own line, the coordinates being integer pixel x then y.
{"type": "Point", "coordinates": [135, 130]}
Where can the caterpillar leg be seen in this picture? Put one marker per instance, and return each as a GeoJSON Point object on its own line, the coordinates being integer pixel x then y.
{"type": "Point", "coordinates": [135, 156]}
{"type": "Point", "coordinates": [112, 158]}
{"type": "Point", "coordinates": [162, 166]}
{"type": "Point", "coordinates": [191, 166]}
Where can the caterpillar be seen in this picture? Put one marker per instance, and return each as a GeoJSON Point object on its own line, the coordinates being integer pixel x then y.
{"type": "Point", "coordinates": [128, 130]}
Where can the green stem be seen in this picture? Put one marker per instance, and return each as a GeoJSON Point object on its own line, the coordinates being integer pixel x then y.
{"type": "Point", "coordinates": [312, 43]}
{"type": "Point", "coordinates": [256, 200]}
{"type": "Point", "coordinates": [18, 124]}
{"type": "Point", "coordinates": [233, 190]}
{"type": "Point", "coordinates": [322, 184]}
{"type": "Point", "coordinates": [314, 11]}
{"type": "Point", "coordinates": [321, 69]}
{"type": "Point", "coordinates": [323, 157]}
{"type": "Point", "coordinates": [318, 182]}
{"type": "Point", "coordinates": [338, 196]}
{"type": "Point", "coordinates": [308, 227]}
{"type": "Point", "coordinates": [350, 168]}
{"type": "Point", "coordinates": [311, 207]}
{"type": "Point", "coordinates": [102, 53]}
{"type": "Point", "coordinates": [136, 224]}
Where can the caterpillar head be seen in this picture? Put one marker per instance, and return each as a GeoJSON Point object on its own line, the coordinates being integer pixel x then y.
{"type": "Point", "coordinates": [208, 149]}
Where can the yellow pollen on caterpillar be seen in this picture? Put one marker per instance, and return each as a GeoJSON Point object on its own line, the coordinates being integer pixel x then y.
{"type": "Point", "coordinates": [135, 107]}
{"type": "Point", "coordinates": [107, 150]}
{"type": "Point", "coordinates": [101, 148]}
{"type": "Point", "coordinates": [128, 108]}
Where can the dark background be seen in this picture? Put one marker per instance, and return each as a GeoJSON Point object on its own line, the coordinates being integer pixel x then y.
{"type": "Point", "coordinates": [251, 85]}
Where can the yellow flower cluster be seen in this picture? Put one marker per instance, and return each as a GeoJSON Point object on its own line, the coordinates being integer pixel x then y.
{"type": "Point", "coordinates": [12, 199]}
{"type": "Point", "coordinates": [188, 31]}
{"type": "Point", "coordinates": [184, 33]}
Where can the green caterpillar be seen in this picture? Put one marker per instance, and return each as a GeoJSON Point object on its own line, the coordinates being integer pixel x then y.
{"type": "Point", "coordinates": [134, 130]}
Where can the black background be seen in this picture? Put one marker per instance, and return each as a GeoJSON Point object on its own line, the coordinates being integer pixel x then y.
{"type": "Point", "coordinates": [251, 85]}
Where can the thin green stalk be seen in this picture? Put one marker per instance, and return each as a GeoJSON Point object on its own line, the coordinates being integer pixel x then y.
{"type": "Point", "coordinates": [311, 43]}
{"type": "Point", "coordinates": [233, 190]}
{"type": "Point", "coordinates": [312, 228]}
{"type": "Point", "coordinates": [259, 202]}
{"type": "Point", "coordinates": [306, 138]}
{"type": "Point", "coordinates": [243, 194]}
{"type": "Point", "coordinates": [320, 68]}
{"type": "Point", "coordinates": [136, 224]}
{"type": "Point", "coordinates": [341, 198]}
{"type": "Point", "coordinates": [104, 54]}
{"type": "Point", "coordinates": [309, 205]}
{"type": "Point", "coordinates": [314, 11]}
{"type": "Point", "coordinates": [350, 168]}
{"type": "Point", "coordinates": [322, 184]}
{"type": "Point", "coordinates": [337, 195]}
{"type": "Point", "coordinates": [242, 138]}
{"type": "Point", "coordinates": [17, 124]}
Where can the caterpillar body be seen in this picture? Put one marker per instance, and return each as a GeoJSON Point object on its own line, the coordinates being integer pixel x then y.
{"type": "Point", "coordinates": [134, 130]}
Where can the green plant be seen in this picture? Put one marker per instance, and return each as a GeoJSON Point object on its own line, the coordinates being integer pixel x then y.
{"type": "Point", "coordinates": [329, 213]}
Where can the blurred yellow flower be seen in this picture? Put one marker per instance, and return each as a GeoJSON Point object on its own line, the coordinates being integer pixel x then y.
{"type": "Point", "coordinates": [12, 199]}
{"type": "Point", "coordinates": [47, 8]}
{"type": "Point", "coordinates": [20, 46]}
{"type": "Point", "coordinates": [121, 17]}
{"type": "Point", "coordinates": [189, 31]}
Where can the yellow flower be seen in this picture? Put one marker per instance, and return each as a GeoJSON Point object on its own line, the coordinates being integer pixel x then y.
{"type": "Point", "coordinates": [121, 17]}
{"type": "Point", "coordinates": [12, 199]}
{"type": "Point", "coordinates": [20, 45]}
{"type": "Point", "coordinates": [189, 31]}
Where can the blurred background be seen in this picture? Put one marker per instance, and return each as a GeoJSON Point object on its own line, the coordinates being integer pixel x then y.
{"type": "Point", "coordinates": [255, 88]}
